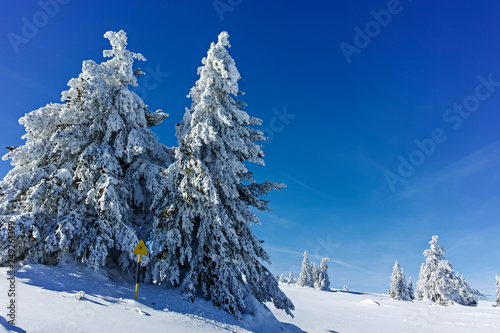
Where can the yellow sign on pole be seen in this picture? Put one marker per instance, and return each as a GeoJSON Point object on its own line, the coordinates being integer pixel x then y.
{"type": "Point", "coordinates": [140, 249]}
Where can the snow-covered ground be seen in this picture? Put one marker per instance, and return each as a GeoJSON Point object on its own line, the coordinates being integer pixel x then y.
{"type": "Point", "coordinates": [45, 299]}
{"type": "Point", "coordinates": [45, 302]}
{"type": "Point", "coordinates": [338, 311]}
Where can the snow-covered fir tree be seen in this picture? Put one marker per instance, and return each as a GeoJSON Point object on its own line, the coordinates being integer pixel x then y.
{"type": "Point", "coordinates": [497, 298]}
{"type": "Point", "coordinates": [312, 276]}
{"type": "Point", "coordinates": [438, 282]}
{"type": "Point", "coordinates": [306, 274]}
{"type": "Point", "coordinates": [290, 277]}
{"type": "Point", "coordinates": [410, 289]}
{"type": "Point", "coordinates": [399, 290]}
{"type": "Point", "coordinates": [468, 295]}
{"type": "Point", "coordinates": [323, 281]}
{"type": "Point", "coordinates": [202, 238]}
{"type": "Point", "coordinates": [84, 181]}
{"type": "Point", "coordinates": [281, 279]}
{"type": "Point", "coordinates": [345, 288]}
{"type": "Point", "coordinates": [315, 274]}
{"type": "Point", "coordinates": [436, 278]}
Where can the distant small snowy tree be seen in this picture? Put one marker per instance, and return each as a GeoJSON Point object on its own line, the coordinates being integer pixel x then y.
{"type": "Point", "coordinates": [468, 295]}
{"type": "Point", "coordinates": [290, 277]}
{"type": "Point", "coordinates": [202, 239]}
{"type": "Point", "coordinates": [399, 290]}
{"type": "Point", "coordinates": [410, 289]}
{"type": "Point", "coordinates": [438, 282]}
{"type": "Point", "coordinates": [281, 279]}
{"type": "Point", "coordinates": [497, 303]}
{"type": "Point", "coordinates": [345, 288]}
{"type": "Point", "coordinates": [323, 281]}
{"type": "Point", "coordinates": [435, 274]}
{"type": "Point", "coordinates": [306, 273]}
{"type": "Point", "coordinates": [314, 274]}
{"type": "Point", "coordinates": [84, 181]}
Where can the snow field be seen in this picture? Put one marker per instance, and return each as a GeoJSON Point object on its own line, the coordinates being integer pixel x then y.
{"type": "Point", "coordinates": [46, 302]}
{"type": "Point", "coordinates": [351, 312]}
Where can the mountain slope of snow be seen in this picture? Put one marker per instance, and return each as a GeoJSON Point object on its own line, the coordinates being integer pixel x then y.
{"type": "Point", "coordinates": [45, 302]}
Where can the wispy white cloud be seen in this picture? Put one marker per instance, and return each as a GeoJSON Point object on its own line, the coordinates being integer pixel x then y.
{"type": "Point", "coordinates": [275, 219]}
{"type": "Point", "coordinates": [346, 264]}
{"type": "Point", "coordinates": [308, 187]}
{"type": "Point", "coordinates": [475, 163]}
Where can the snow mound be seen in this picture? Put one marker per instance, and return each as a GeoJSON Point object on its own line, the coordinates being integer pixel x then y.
{"type": "Point", "coordinates": [369, 301]}
{"type": "Point", "coordinates": [142, 313]}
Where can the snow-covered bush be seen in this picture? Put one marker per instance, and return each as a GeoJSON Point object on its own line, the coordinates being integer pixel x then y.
{"type": "Point", "coordinates": [201, 238]}
{"type": "Point", "coordinates": [84, 181]}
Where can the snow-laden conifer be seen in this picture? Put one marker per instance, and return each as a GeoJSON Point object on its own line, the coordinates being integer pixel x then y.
{"type": "Point", "coordinates": [468, 295]}
{"type": "Point", "coordinates": [497, 298]}
{"type": "Point", "coordinates": [399, 290]}
{"type": "Point", "coordinates": [433, 273]}
{"type": "Point", "coordinates": [83, 181]}
{"type": "Point", "coordinates": [411, 293]}
{"type": "Point", "coordinates": [281, 279]}
{"type": "Point", "coordinates": [306, 274]}
{"type": "Point", "coordinates": [202, 240]}
{"type": "Point", "coordinates": [290, 277]}
{"type": "Point", "coordinates": [315, 275]}
{"type": "Point", "coordinates": [323, 281]}
{"type": "Point", "coordinates": [438, 282]}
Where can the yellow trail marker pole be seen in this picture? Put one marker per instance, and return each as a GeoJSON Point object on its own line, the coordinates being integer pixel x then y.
{"type": "Point", "coordinates": [139, 249]}
{"type": "Point", "coordinates": [137, 281]}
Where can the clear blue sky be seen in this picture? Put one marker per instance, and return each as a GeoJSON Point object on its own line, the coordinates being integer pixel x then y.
{"type": "Point", "coordinates": [347, 123]}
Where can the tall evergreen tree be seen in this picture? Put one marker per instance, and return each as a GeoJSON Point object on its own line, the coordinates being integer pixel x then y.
{"type": "Point", "coordinates": [84, 181]}
{"type": "Point", "coordinates": [399, 290]}
{"type": "Point", "coordinates": [281, 279]}
{"type": "Point", "coordinates": [306, 274]}
{"type": "Point", "coordinates": [438, 282]}
{"type": "Point", "coordinates": [202, 238]}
